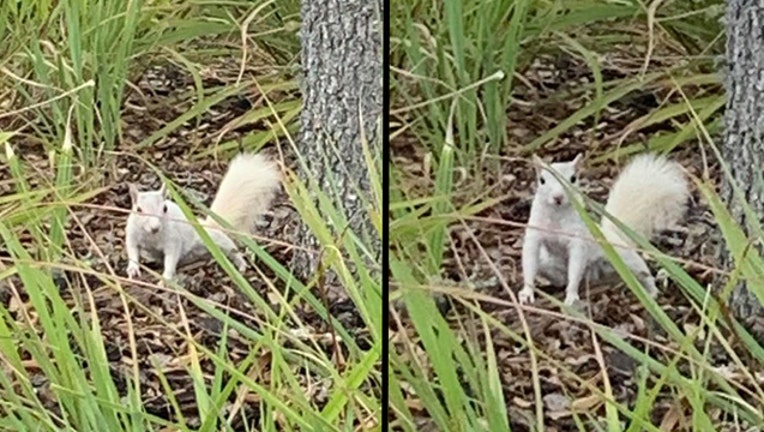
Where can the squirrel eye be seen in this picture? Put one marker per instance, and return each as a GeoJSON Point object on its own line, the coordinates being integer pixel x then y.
{"type": "Point", "coordinates": [541, 180]}
{"type": "Point", "coordinates": [573, 178]}
{"type": "Point", "coordinates": [138, 209]}
{"type": "Point", "coordinates": [165, 208]}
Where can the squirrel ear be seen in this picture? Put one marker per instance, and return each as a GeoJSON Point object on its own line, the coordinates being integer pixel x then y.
{"type": "Point", "coordinates": [163, 190]}
{"type": "Point", "coordinates": [577, 160]}
{"type": "Point", "coordinates": [133, 189]}
{"type": "Point", "coordinates": [537, 162]}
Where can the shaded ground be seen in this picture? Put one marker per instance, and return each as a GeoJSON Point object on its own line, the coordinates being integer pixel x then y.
{"type": "Point", "coordinates": [499, 231]}
{"type": "Point", "coordinates": [155, 316]}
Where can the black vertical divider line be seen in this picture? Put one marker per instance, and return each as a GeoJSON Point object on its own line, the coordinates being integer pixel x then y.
{"type": "Point", "coordinates": [385, 206]}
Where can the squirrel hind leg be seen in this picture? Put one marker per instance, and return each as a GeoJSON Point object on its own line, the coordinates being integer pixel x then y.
{"type": "Point", "coordinates": [638, 265]}
{"type": "Point", "coordinates": [552, 268]}
{"type": "Point", "coordinates": [229, 249]}
{"type": "Point", "coordinates": [150, 255]}
{"type": "Point", "coordinates": [241, 263]}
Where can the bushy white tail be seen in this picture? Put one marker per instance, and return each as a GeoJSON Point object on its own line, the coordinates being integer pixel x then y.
{"type": "Point", "coordinates": [649, 195]}
{"type": "Point", "coordinates": [246, 191]}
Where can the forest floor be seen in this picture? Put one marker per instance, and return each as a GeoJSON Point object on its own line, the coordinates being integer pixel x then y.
{"type": "Point", "coordinates": [497, 232]}
{"type": "Point", "coordinates": [154, 316]}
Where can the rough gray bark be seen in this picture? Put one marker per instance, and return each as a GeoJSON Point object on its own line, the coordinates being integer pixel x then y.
{"type": "Point", "coordinates": [342, 92]}
{"type": "Point", "coordinates": [743, 146]}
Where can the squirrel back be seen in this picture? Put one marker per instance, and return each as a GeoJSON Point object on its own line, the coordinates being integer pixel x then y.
{"type": "Point", "coordinates": [648, 196]}
{"type": "Point", "coordinates": [246, 191]}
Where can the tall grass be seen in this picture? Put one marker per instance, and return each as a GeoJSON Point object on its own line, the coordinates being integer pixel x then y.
{"type": "Point", "coordinates": [83, 54]}
{"type": "Point", "coordinates": [445, 53]}
{"type": "Point", "coordinates": [447, 99]}
{"type": "Point", "coordinates": [65, 70]}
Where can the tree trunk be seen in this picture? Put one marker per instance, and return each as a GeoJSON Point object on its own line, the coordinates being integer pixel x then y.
{"type": "Point", "coordinates": [743, 146]}
{"type": "Point", "coordinates": [342, 92]}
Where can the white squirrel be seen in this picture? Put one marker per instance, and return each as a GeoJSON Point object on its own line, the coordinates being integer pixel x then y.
{"type": "Point", "coordinates": [648, 196]}
{"type": "Point", "coordinates": [158, 230]}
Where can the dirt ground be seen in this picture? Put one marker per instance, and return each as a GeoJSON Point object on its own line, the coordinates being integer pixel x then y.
{"type": "Point", "coordinates": [499, 231]}
{"type": "Point", "coordinates": [96, 236]}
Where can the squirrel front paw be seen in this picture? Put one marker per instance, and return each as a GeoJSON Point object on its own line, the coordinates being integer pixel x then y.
{"type": "Point", "coordinates": [526, 295]}
{"type": "Point", "coordinates": [571, 299]}
{"type": "Point", "coordinates": [167, 283]}
{"type": "Point", "coordinates": [133, 270]}
{"type": "Point", "coordinates": [169, 279]}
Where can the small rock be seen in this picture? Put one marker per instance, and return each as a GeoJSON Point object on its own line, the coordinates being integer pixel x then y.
{"type": "Point", "coordinates": [556, 402]}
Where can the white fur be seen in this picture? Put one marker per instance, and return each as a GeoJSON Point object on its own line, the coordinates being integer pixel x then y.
{"type": "Point", "coordinates": [157, 229]}
{"type": "Point", "coordinates": [246, 191]}
{"type": "Point", "coordinates": [649, 195]}
{"type": "Point", "coordinates": [554, 226]}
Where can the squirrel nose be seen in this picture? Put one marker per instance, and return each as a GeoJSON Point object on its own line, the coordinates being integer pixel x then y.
{"type": "Point", "coordinates": [154, 229]}
{"type": "Point", "coordinates": [557, 199]}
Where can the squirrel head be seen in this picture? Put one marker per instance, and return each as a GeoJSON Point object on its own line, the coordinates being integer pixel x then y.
{"type": "Point", "coordinates": [149, 208]}
{"type": "Point", "coordinates": [549, 189]}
